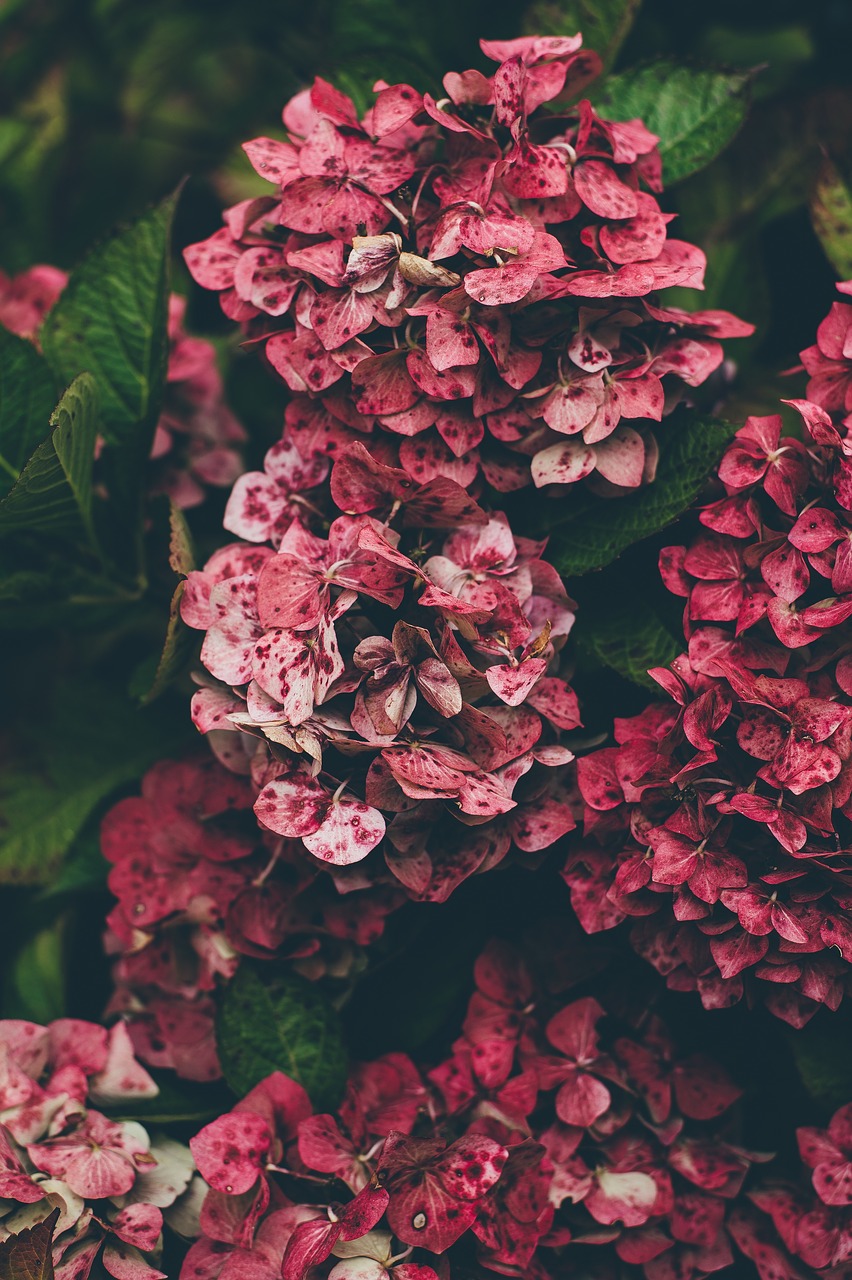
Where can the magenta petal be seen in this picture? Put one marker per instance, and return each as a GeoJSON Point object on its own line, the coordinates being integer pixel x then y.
{"type": "Point", "coordinates": [513, 684]}
{"type": "Point", "coordinates": [347, 833]}
{"type": "Point", "coordinates": [231, 1151]}
{"type": "Point", "coordinates": [602, 191]}
{"type": "Point", "coordinates": [582, 1100]}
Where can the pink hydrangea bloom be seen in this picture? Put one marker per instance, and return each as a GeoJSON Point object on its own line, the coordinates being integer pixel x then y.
{"type": "Point", "coordinates": [198, 887]}
{"type": "Point", "coordinates": [719, 820]}
{"type": "Point", "coordinates": [25, 299]}
{"type": "Point", "coordinates": [474, 275]}
{"type": "Point", "coordinates": [811, 1217]}
{"type": "Point", "coordinates": [109, 1180]}
{"type": "Point", "coordinates": [397, 690]}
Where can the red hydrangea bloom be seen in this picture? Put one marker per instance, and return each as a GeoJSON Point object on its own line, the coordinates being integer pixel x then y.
{"type": "Point", "coordinates": [474, 274]}
{"type": "Point", "coordinates": [396, 687]}
{"type": "Point", "coordinates": [108, 1179]}
{"type": "Point", "coordinates": [829, 362]}
{"type": "Point", "coordinates": [721, 820]}
{"type": "Point", "coordinates": [197, 440]}
{"type": "Point", "coordinates": [198, 887]}
{"type": "Point", "coordinates": [479, 1161]}
{"type": "Point", "coordinates": [811, 1217]}
{"type": "Point", "coordinates": [25, 299]}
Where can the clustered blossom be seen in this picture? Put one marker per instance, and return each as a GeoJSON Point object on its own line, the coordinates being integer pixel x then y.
{"type": "Point", "coordinates": [197, 440]}
{"type": "Point", "coordinates": [461, 297]}
{"type": "Point", "coordinates": [812, 1216]}
{"type": "Point", "coordinates": [552, 1138]}
{"type": "Point", "coordinates": [109, 1181]}
{"type": "Point", "coordinates": [199, 887]}
{"type": "Point", "coordinates": [469, 283]}
{"type": "Point", "coordinates": [392, 692]}
{"type": "Point", "coordinates": [721, 819]}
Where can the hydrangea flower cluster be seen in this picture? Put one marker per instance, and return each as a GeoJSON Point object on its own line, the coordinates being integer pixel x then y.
{"type": "Point", "coordinates": [199, 886]}
{"type": "Point", "coordinates": [720, 820]}
{"type": "Point", "coordinates": [392, 688]}
{"type": "Point", "coordinates": [812, 1217]}
{"type": "Point", "coordinates": [110, 1182]}
{"type": "Point", "coordinates": [469, 282]}
{"type": "Point", "coordinates": [197, 439]}
{"type": "Point", "coordinates": [549, 1132]}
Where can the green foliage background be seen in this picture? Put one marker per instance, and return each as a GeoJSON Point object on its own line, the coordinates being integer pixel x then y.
{"type": "Point", "coordinates": [106, 106]}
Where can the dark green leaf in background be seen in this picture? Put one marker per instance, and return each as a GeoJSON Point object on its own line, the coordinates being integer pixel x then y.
{"type": "Point", "coordinates": [593, 533]}
{"type": "Point", "coordinates": [54, 490]}
{"type": "Point", "coordinates": [604, 24]}
{"type": "Point", "coordinates": [629, 638]}
{"type": "Point", "coordinates": [831, 215]}
{"type": "Point", "coordinates": [93, 742]}
{"type": "Point", "coordinates": [280, 1022]}
{"type": "Point", "coordinates": [178, 1101]}
{"type": "Point", "coordinates": [34, 982]}
{"type": "Point", "coordinates": [822, 1052]}
{"type": "Point", "coordinates": [694, 111]}
{"type": "Point", "coordinates": [27, 398]}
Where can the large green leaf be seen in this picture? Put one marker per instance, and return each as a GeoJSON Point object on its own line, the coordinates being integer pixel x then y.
{"type": "Point", "coordinates": [27, 1254]}
{"type": "Point", "coordinates": [27, 397]}
{"type": "Point", "coordinates": [591, 533]}
{"type": "Point", "coordinates": [821, 1052]}
{"type": "Point", "coordinates": [604, 24]}
{"type": "Point", "coordinates": [54, 490]}
{"type": "Point", "coordinates": [95, 741]}
{"type": "Point", "coordinates": [34, 981]}
{"type": "Point", "coordinates": [111, 322]}
{"type": "Point", "coordinates": [831, 215]}
{"type": "Point", "coordinates": [694, 111]}
{"type": "Point", "coordinates": [278, 1021]}
{"type": "Point", "coordinates": [630, 638]}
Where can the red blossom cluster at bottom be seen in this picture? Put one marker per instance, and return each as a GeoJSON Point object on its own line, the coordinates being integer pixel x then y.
{"type": "Point", "coordinates": [554, 1137]}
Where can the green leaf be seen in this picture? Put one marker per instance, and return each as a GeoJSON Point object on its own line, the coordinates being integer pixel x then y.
{"type": "Point", "coordinates": [181, 550]}
{"type": "Point", "coordinates": [177, 1102]}
{"type": "Point", "coordinates": [34, 984]}
{"type": "Point", "coordinates": [280, 1022]}
{"type": "Point", "coordinates": [782, 52]}
{"type": "Point", "coordinates": [831, 216]}
{"type": "Point", "coordinates": [154, 677]}
{"type": "Point", "coordinates": [27, 1254]}
{"type": "Point", "coordinates": [85, 868]}
{"type": "Point", "coordinates": [95, 741]}
{"type": "Point", "coordinates": [630, 639]}
{"type": "Point", "coordinates": [54, 490]}
{"type": "Point", "coordinates": [13, 134]}
{"type": "Point", "coordinates": [593, 533]}
{"type": "Point", "coordinates": [111, 322]}
{"type": "Point", "coordinates": [27, 397]}
{"type": "Point", "coordinates": [694, 111]}
{"type": "Point", "coordinates": [821, 1052]}
{"type": "Point", "coordinates": [605, 24]}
